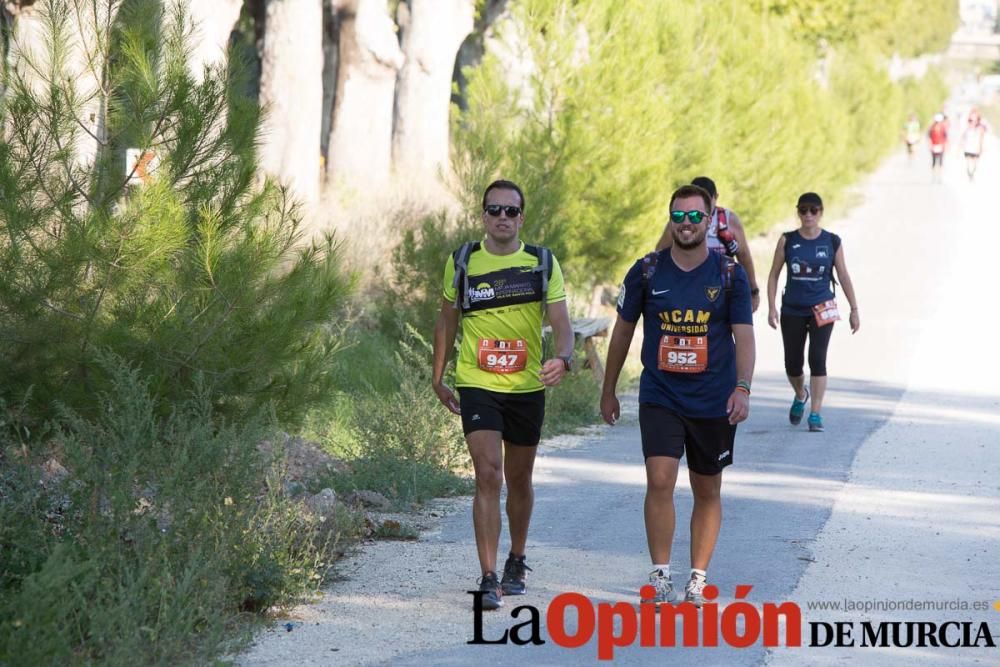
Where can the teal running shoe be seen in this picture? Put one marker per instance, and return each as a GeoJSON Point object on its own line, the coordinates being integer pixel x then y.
{"type": "Point", "coordinates": [798, 409]}
{"type": "Point", "coordinates": [815, 422]}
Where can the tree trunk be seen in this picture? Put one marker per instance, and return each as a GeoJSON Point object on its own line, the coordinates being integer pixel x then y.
{"type": "Point", "coordinates": [331, 59]}
{"type": "Point", "coordinates": [433, 30]}
{"type": "Point", "coordinates": [214, 23]}
{"type": "Point", "coordinates": [87, 44]}
{"type": "Point", "coordinates": [361, 139]}
{"type": "Point", "coordinates": [291, 90]}
{"type": "Point", "coordinates": [473, 49]}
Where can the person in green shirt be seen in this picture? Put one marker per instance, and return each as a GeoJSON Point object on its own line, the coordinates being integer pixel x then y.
{"type": "Point", "coordinates": [499, 301]}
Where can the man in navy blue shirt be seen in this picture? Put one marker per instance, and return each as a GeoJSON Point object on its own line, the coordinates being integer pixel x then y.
{"type": "Point", "coordinates": [697, 360]}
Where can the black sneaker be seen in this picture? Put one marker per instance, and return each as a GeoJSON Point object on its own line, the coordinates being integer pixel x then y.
{"type": "Point", "coordinates": [494, 596]}
{"type": "Point", "coordinates": [514, 575]}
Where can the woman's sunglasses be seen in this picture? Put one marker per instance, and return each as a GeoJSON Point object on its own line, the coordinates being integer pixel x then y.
{"type": "Point", "coordinates": [809, 209]}
{"type": "Point", "coordinates": [493, 210]}
{"type": "Point", "coordinates": [677, 217]}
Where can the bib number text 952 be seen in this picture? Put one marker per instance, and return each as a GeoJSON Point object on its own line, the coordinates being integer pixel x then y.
{"type": "Point", "coordinates": [683, 354]}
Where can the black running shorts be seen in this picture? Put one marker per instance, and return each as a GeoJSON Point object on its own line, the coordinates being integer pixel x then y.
{"type": "Point", "coordinates": [517, 416]}
{"type": "Point", "coordinates": [707, 441]}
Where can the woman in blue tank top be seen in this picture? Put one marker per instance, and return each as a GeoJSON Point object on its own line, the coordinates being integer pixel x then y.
{"type": "Point", "coordinates": [808, 308]}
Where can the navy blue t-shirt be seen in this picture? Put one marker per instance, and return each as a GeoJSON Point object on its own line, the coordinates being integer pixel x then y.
{"type": "Point", "coordinates": [810, 272]}
{"type": "Point", "coordinates": [691, 305]}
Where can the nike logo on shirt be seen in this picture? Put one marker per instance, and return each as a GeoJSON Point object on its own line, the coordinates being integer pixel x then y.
{"type": "Point", "coordinates": [655, 293]}
{"type": "Point", "coordinates": [797, 245]}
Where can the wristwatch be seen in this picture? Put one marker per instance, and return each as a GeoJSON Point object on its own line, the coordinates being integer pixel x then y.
{"type": "Point", "coordinates": [755, 291]}
{"type": "Point", "coordinates": [567, 362]}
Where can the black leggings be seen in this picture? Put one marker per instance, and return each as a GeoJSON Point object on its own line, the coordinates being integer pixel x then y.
{"type": "Point", "coordinates": [794, 329]}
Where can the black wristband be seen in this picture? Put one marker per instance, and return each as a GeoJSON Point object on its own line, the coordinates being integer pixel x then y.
{"type": "Point", "coordinates": [755, 291]}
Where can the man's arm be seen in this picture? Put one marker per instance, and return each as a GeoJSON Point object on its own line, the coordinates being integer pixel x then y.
{"type": "Point", "coordinates": [562, 331]}
{"type": "Point", "coordinates": [738, 406]}
{"type": "Point", "coordinates": [444, 340]}
{"type": "Point", "coordinates": [666, 239]}
{"type": "Point", "coordinates": [621, 339]}
{"type": "Point", "coordinates": [745, 258]}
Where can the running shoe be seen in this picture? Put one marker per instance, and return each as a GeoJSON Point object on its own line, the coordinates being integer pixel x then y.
{"type": "Point", "coordinates": [694, 592]}
{"type": "Point", "coordinates": [798, 409]}
{"type": "Point", "coordinates": [514, 574]}
{"type": "Point", "coordinates": [494, 596]}
{"type": "Point", "coordinates": [815, 422]}
{"type": "Point", "coordinates": [664, 588]}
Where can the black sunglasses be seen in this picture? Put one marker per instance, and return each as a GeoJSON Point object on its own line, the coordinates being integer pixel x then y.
{"type": "Point", "coordinates": [493, 210]}
{"type": "Point", "coordinates": [677, 217]}
{"type": "Point", "coordinates": [809, 209]}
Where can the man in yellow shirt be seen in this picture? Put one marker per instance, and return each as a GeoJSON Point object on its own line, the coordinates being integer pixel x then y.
{"type": "Point", "coordinates": [502, 290]}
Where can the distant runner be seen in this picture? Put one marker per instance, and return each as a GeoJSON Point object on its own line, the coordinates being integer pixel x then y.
{"type": "Point", "coordinates": [725, 234]}
{"type": "Point", "coordinates": [808, 307]}
{"type": "Point", "coordinates": [911, 133]}
{"type": "Point", "coordinates": [697, 365]}
{"type": "Point", "coordinates": [499, 286]}
{"type": "Point", "coordinates": [938, 135]}
{"type": "Point", "coordinates": [972, 142]}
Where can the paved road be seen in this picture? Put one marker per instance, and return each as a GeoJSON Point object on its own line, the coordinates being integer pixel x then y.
{"type": "Point", "coordinates": [898, 500]}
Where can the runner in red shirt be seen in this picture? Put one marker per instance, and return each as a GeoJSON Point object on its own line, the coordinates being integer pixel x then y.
{"type": "Point", "coordinates": [938, 135]}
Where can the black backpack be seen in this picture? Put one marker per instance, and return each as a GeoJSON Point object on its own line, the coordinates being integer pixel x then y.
{"type": "Point", "coordinates": [461, 280]}
{"type": "Point", "coordinates": [726, 265]}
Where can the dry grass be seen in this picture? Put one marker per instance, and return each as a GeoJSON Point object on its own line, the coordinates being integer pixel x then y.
{"type": "Point", "coordinates": [370, 224]}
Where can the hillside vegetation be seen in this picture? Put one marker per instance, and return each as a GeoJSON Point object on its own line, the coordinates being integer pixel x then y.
{"type": "Point", "coordinates": [161, 338]}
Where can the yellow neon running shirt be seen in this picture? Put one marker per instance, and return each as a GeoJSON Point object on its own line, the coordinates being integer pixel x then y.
{"type": "Point", "coordinates": [504, 294]}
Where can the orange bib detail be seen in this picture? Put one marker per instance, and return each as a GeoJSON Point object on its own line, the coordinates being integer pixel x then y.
{"type": "Point", "coordinates": [503, 356]}
{"type": "Point", "coordinates": [826, 312]}
{"type": "Point", "coordinates": [683, 354]}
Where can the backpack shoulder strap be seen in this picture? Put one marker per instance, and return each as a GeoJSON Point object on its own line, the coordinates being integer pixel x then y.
{"type": "Point", "coordinates": [788, 239]}
{"type": "Point", "coordinates": [461, 279]}
{"type": "Point", "coordinates": [649, 266]}
{"type": "Point", "coordinates": [726, 267]}
{"type": "Point", "coordinates": [835, 242]}
{"type": "Point", "coordinates": [648, 269]}
{"type": "Point", "coordinates": [544, 266]}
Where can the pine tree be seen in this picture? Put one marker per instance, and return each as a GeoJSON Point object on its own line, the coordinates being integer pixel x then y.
{"type": "Point", "coordinates": [180, 261]}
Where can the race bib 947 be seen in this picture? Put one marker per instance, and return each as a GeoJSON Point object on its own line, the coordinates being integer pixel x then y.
{"type": "Point", "coordinates": [502, 356]}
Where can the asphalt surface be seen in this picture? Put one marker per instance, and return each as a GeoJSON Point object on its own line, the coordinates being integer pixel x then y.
{"type": "Point", "coordinates": [899, 500]}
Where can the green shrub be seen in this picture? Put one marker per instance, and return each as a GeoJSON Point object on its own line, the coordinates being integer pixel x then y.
{"type": "Point", "coordinates": [197, 271]}
{"type": "Point", "coordinates": [162, 533]}
{"type": "Point", "coordinates": [626, 101]}
{"type": "Point", "coordinates": [402, 443]}
{"type": "Point", "coordinates": [573, 403]}
{"type": "Point", "coordinates": [414, 295]}
{"type": "Point", "coordinates": [924, 96]}
{"type": "Point", "coordinates": [906, 27]}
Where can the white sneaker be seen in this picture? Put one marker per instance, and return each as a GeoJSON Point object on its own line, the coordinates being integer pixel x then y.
{"type": "Point", "coordinates": [664, 588]}
{"type": "Point", "coordinates": [694, 592]}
